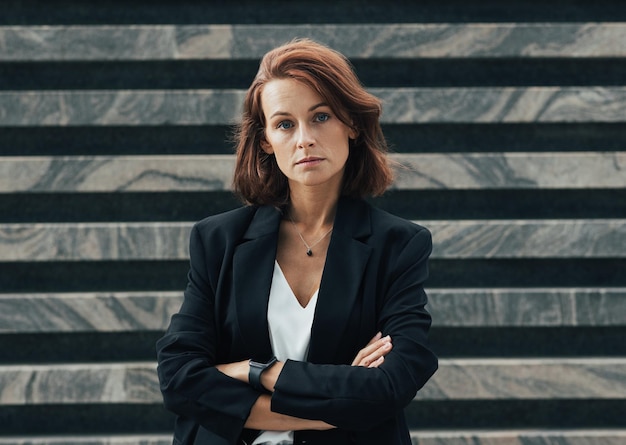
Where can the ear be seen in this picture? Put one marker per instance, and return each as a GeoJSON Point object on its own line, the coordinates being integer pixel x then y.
{"type": "Point", "coordinates": [266, 147]}
{"type": "Point", "coordinates": [354, 131]}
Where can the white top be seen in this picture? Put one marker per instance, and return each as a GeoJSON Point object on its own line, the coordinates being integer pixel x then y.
{"type": "Point", "coordinates": [290, 334]}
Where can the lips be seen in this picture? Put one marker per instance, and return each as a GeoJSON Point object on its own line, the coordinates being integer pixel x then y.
{"type": "Point", "coordinates": [310, 160]}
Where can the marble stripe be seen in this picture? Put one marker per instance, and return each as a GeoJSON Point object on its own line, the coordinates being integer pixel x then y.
{"type": "Point", "coordinates": [592, 238]}
{"type": "Point", "coordinates": [426, 40]}
{"type": "Point", "coordinates": [562, 170]}
{"type": "Point", "coordinates": [520, 437]}
{"type": "Point", "coordinates": [553, 379]}
{"type": "Point", "coordinates": [456, 379]}
{"type": "Point", "coordinates": [511, 170]}
{"type": "Point", "coordinates": [125, 108]}
{"type": "Point", "coordinates": [138, 311]}
{"type": "Point", "coordinates": [116, 173]}
{"type": "Point", "coordinates": [401, 106]}
{"type": "Point", "coordinates": [94, 241]}
{"type": "Point", "coordinates": [532, 307]}
{"type": "Point", "coordinates": [502, 105]}
{"type": "Point", "coordinates": [79, 383]}
{"type": "Point", "coordinates": [87, 311]}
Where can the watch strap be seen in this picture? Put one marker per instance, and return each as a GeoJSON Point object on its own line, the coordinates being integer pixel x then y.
{"type": "Point", "coordinates": [256, 369]}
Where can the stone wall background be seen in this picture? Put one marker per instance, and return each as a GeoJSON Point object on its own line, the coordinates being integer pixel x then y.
{"type": "Point", "coordinates": [508, 117]}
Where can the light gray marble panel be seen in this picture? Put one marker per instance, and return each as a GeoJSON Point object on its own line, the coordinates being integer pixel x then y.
{"type": "Point", "coordinates": [125, 108]}
{"type": "Point", "coordinates": [411, 40]}
{"type": "Point", "coordinates": [79, 383]}
{"type": "Point", "coordinates": [528, 307]}
{"type": "Point", "coordinates": [88, 311]}
{"type": "Point", "coordinates": [532, 379]}
{"type": "Point", "coordinates": [401, 106]}
{"type": "Point", "coordinates": [94, 241]}
{"type": "Point", "coordinates": [456, 379]}
{"type": "Point", "coordinates": [564, 170]}
{"type": "Point", "coordinates": [506, 104]}
{"type": "Point", "coordinates": [116, 173]}
{"type": "Point", "coordinates": [593, 238]}
{"type": "Point", "coordinates": [139, 311]}
{"type": "Point", "coordinates": [520, 437]}
{"type": "Point", "coordinates": [90, 42]}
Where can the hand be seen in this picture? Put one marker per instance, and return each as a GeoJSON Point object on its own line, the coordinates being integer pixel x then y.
{"type": "Point", "coordinates": [236, 370]}
{"type": "Point", "coordinates": [263, 418]}
{"type": "Point", "coordinates": [373, 354]}
{"type": "Point", "coordinates": [241, 371]}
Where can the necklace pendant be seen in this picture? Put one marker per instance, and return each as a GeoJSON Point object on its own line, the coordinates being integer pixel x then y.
{"type": "Point", "coordinates": [309, 252]}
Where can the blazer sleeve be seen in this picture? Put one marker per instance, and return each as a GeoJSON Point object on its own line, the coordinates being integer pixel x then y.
{"type": "Point", "coordinates": [191, 386]}
{"type": "Point", "coordinates": [358, 398]}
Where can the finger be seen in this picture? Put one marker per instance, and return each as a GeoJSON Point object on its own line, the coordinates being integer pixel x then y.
{"type": "Point", "coordinates": [371, 348]}
{"type": "Point", "coordinates": [377, 362]}
{"type": "Point", "coordinates": [371, 352]}
{"type": "Point", "coordinates": [368, 349]}
{"type": "Point", "coordinates": [374, 355]}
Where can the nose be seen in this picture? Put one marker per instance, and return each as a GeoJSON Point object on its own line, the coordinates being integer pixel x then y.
{"type": "Point", "coordinates": [306, 138]}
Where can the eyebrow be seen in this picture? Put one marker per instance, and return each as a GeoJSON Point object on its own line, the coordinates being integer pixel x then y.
{"type": "Point", "coordinates": [284, 113]}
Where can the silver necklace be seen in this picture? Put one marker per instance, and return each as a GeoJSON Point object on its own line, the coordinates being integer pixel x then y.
{"type": "Point", "coordinates": [309, 250]}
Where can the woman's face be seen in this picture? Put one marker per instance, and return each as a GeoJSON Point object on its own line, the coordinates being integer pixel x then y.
{"type": "Point", "coordinates": [308, 140]}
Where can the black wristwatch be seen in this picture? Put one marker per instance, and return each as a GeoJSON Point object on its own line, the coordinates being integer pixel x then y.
{"type": "Point", "coordinates": [256, 369]}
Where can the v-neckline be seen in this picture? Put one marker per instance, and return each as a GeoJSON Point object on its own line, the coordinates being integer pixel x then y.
{"type": "Point", "coordinates": [293, 294]}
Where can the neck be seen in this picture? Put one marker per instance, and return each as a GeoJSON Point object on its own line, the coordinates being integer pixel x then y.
{"type": "Point", "coordinates": [313, 211]}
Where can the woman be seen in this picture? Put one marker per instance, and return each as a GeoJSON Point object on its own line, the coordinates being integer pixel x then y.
{"type": "Point", "coordinates": [303, 320]}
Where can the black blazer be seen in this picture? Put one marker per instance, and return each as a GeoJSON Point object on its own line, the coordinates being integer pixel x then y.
{"type": "Point", "coordinates": [372, 281]}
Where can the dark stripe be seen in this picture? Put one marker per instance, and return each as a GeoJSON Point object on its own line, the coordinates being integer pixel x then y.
{"type": "Point", "coordinates": [372, 72]}
{"type": "Point", "coordinates": [503, 414]}
{"type": "Point", "coordinates": [410, 204]}
{"type": "Point", "coordinates": [94, 276]}
{"type": "Point", "coordinates": [418, 138]}
{"type": "Point", "coordinates": [322, 11]}
{"type": "Point", "coordinates": [84, 419]}
{"type": "Point", "coordinates": [528, 342]}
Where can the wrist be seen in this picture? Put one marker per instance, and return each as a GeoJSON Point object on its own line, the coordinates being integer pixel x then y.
{"type": "Point", "coordinates": [256, 369]}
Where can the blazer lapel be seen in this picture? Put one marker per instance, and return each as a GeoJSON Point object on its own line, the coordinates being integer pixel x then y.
{"type": "Point", "coordinates": [253, 266]}
{"type": "Point", "coordinates": [343, 272]}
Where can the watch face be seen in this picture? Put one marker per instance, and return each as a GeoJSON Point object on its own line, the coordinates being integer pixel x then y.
{"type": "Point", "coordinates": [263, 365]}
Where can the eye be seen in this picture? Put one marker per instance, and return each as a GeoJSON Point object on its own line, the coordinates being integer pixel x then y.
{"type": "Point", "coordinates": [322, 117]}
{"type": "Point", "coordinates": [285, 125]}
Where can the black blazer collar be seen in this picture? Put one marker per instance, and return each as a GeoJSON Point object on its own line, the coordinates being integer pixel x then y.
{"type": "Point", "coordinates": [253, 266]}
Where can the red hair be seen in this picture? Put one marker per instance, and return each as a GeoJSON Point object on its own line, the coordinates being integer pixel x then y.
{"type": "Point", "coordinates": [257, 178]}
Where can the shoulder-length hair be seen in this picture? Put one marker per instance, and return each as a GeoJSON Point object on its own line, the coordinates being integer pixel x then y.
{"type": "Point", "coordinates": [257, 178]}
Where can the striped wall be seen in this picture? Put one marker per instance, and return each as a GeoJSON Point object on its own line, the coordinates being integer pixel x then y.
{"type": "Point", "coordinates": [508, 121]}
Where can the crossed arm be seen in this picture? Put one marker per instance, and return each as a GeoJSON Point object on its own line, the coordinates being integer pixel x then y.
{"type": "Point", "coordinates": [263, 418]}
